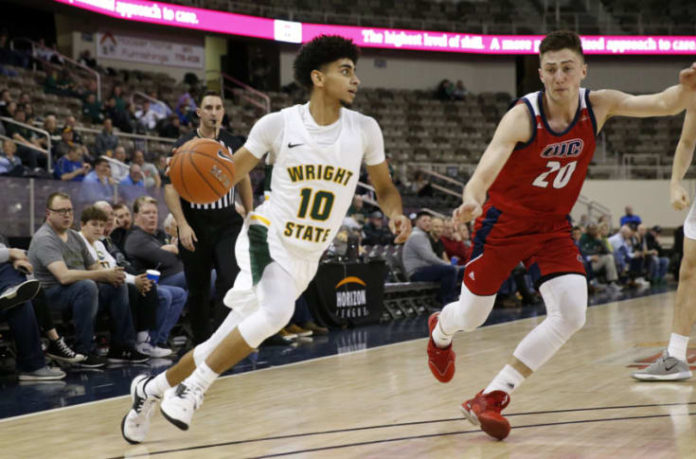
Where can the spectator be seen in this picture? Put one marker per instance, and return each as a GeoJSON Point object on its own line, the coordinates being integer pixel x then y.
{"type": "Point", "coordinates": [185, 108]}
{"type": "Point", "coordinates": [19, 314]}
{"type": "Point", "coordinates": [459, 91]}
{"type": "Point", "coordinates": [122, 226]}
{"type": "Point", "coordinates": [92, 109]}
{"type": "Point", "coordinates": [145, 244]}
{"type": "Point", "coordinates": [456, 244]}
{"type": "Point", "coordinates": [70, 122]}
{"type": "Point", "coordinates": [86, 58]}
{"type": "Point", "coordinates": [50, 125]}
{"type": "Point", "coordinates": [73, 280]}
{"type": "Point", "coordinates": [621, 248]}
{"type": "Point", "coordinates": [630, 219]}
{"type": "Point", "coordinates": [71, 167]}
{"type": "Point", "coordinates": [134, 177]}
{"type": "Point", "coordinates": [127, 121]}
{"type": "Point", "coordinates": [10, 165]}
{"type": "Point", "coordinates": [106, 141]}
{"type": "Point", "coordinates": [159, 107]}
{"type": "Point", "coordinates": [376, 232]}
{"type": "Point", "coordinates": [66, 141]}
{"type": "Point", "coordinates": [598, 255]}
{"type": "Point", "coordinates": [119, 168]}
{"type": "Point", "coordinates": [147, 117]}
{"type": "Point", "coordinates": [21, 133]}
{"type": "Point", "coordinates": [171, 128]}
{"type": "Point", "coordinates": [445, 90]}
{"type": "Point", "coordinates": [658, 262]}
{"type": "Point", "coordinates": [144, 296]}
{"type": "Point", "coordinates": [117, 95]}
{"type": "Point", "coordinates": [5, 100]}
{"type": "Point", "coordinates": [149, 170]}
{"type": "Point", "coordinates": [435, 233]}
{"type": "Point", "coordinates": [422, 264]}
{"type": "Point", "coordinates": [98, 183]}
{"type": "Point", "coordinates": [421, 186]}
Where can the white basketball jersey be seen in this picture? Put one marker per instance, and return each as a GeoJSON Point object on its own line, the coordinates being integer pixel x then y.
{"type": "Point", "coordinates": [312, 186]}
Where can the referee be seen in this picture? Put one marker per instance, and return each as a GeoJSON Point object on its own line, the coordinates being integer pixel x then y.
{"type": "Point", "coordinates": [208, 232]}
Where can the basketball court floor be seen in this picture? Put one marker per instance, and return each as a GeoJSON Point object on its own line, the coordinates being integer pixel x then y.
{"type": "Point", "coordinates": [369, 402]}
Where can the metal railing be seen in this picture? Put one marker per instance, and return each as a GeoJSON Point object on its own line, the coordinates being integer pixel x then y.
{"type": "Point", "coordinates": [47, 152]}
{"type": "Point", "coordinates": [34, 45]}
{"type": "Point", "coordinates": [142, 137]}
{"type": "Point", "coordinates": [249, 94]}
{"type": "Point", "coordinates": [151, 99]}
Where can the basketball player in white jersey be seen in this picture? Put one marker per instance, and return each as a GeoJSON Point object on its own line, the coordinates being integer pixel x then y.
{"type": "Point", "coordinates": [317, 150]}
{"type": "Point", "coordinates": [672, 365]}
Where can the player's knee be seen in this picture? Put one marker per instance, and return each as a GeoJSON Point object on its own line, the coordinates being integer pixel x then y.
{"type": "Point", "coordinates": [574, 318]}
{"type": "Point", "coordinates": [279, 317]}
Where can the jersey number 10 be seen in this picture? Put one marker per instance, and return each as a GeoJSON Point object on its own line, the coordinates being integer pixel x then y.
{"type": "Point", "coordinates": [563, 174]}
{"type": "Point", "coordinates": [322, 202]}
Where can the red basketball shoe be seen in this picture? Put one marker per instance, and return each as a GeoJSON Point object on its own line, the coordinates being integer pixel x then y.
{"type": "Point", "coordinates": [440, 361]}
{"type": "Point", "coordinates": [484, 410]}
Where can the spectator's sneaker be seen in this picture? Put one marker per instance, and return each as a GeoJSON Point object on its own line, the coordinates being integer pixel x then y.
{"type": "Point", "coordinates": [45, 373]}
{"type": "Point", "coordinates": [484, 410]}
{"type": "Point", "coordinates": [180, 403]}
{"type": "Point", "coordinates": [666, 368]}
{"type": "Point", "coordinates": [136, 423]}
{"type": "Point", "coordinates": [58, 350]}
{"type": "Point", "coordinates": [92, 361]}
{"type": "Point", "coordinates": [152, 351]}
{"type": "Point", "coordinates": [19, 294]}
{"type": "Point", "coordinates": [286, 336]}
{"type": "Point", "coordinates": [125, 355]}
{"type": "Point", "coordinates": [440, 361]}
{"type": "Point", "coordinates": [316, 329]}
{"type": "Point", "coordinates": [299, 331]}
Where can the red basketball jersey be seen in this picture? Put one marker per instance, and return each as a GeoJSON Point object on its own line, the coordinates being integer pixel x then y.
{"type": "Point", "coordinates": [543, 177]}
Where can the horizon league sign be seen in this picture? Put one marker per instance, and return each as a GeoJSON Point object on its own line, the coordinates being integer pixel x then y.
{"type": "Point", "coordinates": [371, 37]}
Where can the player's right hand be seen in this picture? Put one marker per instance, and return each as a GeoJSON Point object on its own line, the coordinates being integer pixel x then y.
{"type": "Point", "coordinates": [678, 197]}
{"type": "Point", "coordinates": [187, 237]}
{"type": "Point", "coordinates": [468, 211]}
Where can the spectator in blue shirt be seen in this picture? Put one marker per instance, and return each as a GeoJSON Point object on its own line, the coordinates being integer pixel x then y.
{"type": "Point", "coordinates": [134, 177]}
{"type": "Point", "coordinates": [71, 166]}
{"type": "Point", "coordinates": [630, 219]}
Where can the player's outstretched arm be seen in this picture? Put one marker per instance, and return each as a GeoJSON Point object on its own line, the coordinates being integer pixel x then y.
{"type": "Point", "coordinates": [515, 127]}
{"type": "Point", "coordinates": [244, 162]}
{"type": "Point", "coordinates": [683, 156]}
{"type": "Point", "coordinates": [389, 201]}
{"type": "Point", "coordinates": [610, 102]}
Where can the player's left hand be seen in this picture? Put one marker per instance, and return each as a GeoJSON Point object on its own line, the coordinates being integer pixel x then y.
{"type": "Point", "coordinates": [401, 226]}
{"type": "Point", "coordinates": [687, 77]}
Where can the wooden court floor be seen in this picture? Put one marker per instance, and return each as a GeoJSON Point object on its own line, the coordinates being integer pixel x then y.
{"type": "Point", "coordinates": [383, 402]}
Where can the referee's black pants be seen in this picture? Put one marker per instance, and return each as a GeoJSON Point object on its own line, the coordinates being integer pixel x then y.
{"type": "Point", "coordinates": [214, 249]}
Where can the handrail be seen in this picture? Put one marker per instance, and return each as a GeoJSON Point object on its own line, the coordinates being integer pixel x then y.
{"type": "Point", "coordinates": [63, 56]}
{"type": "Point", "coordinates": [265, 105]}
{"type": "Point", "coordinates": [442, 177]}
{"type": "Point", "coordinates": [150, 98]}
{"type": "Point", "coordinates": [41, 131]}
{"type": "Point", "coordinates": [125, 134]}
{"type": "Point", "coordinates": [445, 190]}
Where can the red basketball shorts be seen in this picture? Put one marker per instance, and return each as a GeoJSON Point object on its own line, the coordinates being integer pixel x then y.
{"type": "Point", "coordinates": [501, 241]}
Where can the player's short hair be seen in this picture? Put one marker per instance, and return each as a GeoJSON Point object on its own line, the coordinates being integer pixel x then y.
{"type": "Point", "coordinates": [561, 39]}
{"type": "Point", "coordinates": [142, 200]}
{"type": "Point", "coordinates": [54, 195]}
{"type": "Point", "coordinates": [93, 213]}
{"type": "Point", "coordinates": [209, 93]}
{"type": "Point", "coordinates": [323, 50]}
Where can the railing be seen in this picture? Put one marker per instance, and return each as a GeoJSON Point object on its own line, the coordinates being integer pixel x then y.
{"type": "Point", "coordinates": [149, 98]}
{"type": "Point", "coordinates": [47, 152]}
{"type": "Point", "coordinates": [250, 94]}
{"type": "Point", "coordinates": [142, 137]}
{"type": "Point", "coordinates": [83, 67]}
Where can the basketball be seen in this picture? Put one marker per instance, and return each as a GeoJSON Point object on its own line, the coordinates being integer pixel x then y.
{"type": "Point", "coordinates": [202, 171]}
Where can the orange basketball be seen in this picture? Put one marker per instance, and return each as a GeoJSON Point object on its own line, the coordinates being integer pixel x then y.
{"type": "Point", "coordinates": [202, 171]}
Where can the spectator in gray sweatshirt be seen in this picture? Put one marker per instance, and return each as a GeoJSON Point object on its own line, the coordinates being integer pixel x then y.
{"type": "Point", "coordinates": [423, 265]}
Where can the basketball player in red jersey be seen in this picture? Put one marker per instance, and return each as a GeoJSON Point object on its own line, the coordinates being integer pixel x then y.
{"type": "Point", "coordinates": [533, 171]}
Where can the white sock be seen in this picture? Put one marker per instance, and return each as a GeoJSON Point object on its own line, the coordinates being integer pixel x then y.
{"type": "Point", "coordinates": [157, 385]}
{"type": "Point", "coordinates": [441, 339]}
{"type": "Point", "coordinates": [507, 380]}
{"type": "Point", "coordinates": [677, 346]}
{"type": "Point", "coordinates": [203, 377]}
{"type": "Point", "coordinates": [142, 336]}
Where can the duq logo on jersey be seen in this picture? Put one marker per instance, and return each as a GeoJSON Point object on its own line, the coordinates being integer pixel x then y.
{"type": "Point", "coordinates": [566, 149]}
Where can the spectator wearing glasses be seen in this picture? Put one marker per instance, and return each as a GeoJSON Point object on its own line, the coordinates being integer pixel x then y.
{"type": "Point", "coordinates": [72, 279]}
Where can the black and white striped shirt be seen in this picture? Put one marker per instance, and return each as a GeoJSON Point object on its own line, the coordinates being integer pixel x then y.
{"type": "Point", "coordinates": [233, 143]}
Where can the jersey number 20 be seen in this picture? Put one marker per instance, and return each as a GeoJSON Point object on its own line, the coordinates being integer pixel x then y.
{"type": "Point", "coordinates": [322, 202]}
{"type": "Point", "coordinates": [563, 174]}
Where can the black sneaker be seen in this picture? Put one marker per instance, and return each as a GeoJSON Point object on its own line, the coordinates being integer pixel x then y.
{"type": "Point", "coordinates": [125, 355]}
{"type": "Point", "coordinates": [58, 350]}
{"type": "Point", "coordinates": [19, 294]}
{"type": "Point", "coordinates": [92, 361]}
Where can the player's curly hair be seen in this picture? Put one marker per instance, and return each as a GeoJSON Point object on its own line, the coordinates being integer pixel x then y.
{"type": "Point", "coordinates": [561, 39]}
{"type": "Point", "coordinates": [322, 50]}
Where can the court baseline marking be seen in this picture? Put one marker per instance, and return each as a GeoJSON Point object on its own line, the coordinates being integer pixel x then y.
{"type": "Point", "coordinates": [433, 421]}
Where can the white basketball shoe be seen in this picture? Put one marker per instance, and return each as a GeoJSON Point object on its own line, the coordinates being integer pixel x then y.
{"type": "Point", "coordinates": [180, 403]}
{"type": "Point", "coordinates": [136, 423]}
